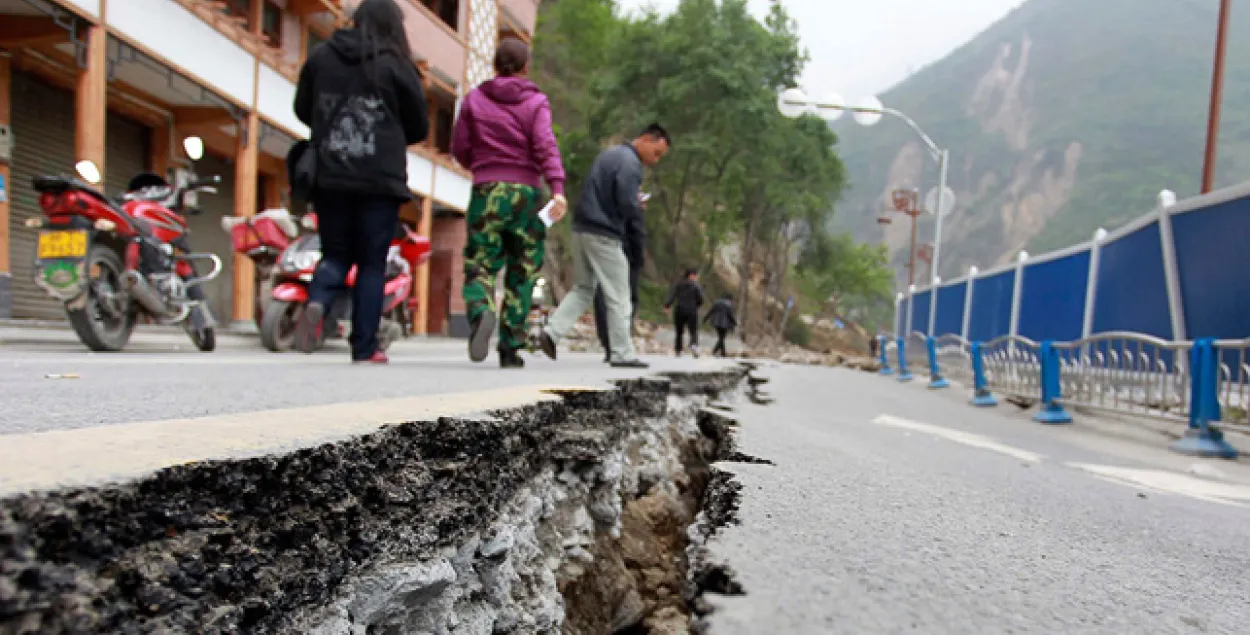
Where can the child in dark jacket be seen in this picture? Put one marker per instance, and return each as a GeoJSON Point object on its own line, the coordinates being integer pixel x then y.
{"type": "Point", "coordinates": [721, 317]}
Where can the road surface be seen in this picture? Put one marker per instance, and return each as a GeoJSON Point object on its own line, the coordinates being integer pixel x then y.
{"type": "Point", "coordinates": [894, 509]}
{"type": "Point", "coordinates": [161, 376]}
{"type": "Point", "coordinates": [889, 508]}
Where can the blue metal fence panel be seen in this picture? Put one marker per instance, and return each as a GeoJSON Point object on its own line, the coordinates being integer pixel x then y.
{"type": "Point", "coordinates": [1132, 294]}
{"type": "Point", "coordinates": [1052, 302]}
{"type": "Point", "coordinates": [950, 309]}
{"type": "Point", "coordinates": [1214, 263]}
{"type": "Point", "coordinates": [920, 313]}
{"type": "Point", "coordinates": [991, 306]}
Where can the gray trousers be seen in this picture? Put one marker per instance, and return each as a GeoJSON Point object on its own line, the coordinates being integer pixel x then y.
{"type": "Point", "coordinates": [598, 263]}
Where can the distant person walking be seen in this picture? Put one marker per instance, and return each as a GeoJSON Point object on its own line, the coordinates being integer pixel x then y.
{"type": "Point", "coordinates": [609, 197]}
{"type": "Point", "coordinates": [684, 301]}
{"type": "Point", "coordinates": [362, 98]}
{"type": "Point", "coordinates": [721, 317]}
{"type": "Point", "coordinates": [635, 252]}
{"type": "Point", "coordinates": [504, 136]}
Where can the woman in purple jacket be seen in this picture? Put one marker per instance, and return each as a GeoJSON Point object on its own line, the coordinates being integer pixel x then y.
{"type": "Point", "coordinates": [503, 135]}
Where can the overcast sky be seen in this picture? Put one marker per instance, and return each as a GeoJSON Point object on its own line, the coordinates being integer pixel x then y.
{"type": "Point", "coordinates": [862, 47]}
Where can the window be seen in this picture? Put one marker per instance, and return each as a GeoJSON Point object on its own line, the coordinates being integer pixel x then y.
{"type": "Point", "coordinates": [271, 24]}
{"type": "Point", "coordinates": [238, 9]}
{"type": "Point", "coordinates": [443, 121]}
{"type": "Point", "coordinates": [447, 10]}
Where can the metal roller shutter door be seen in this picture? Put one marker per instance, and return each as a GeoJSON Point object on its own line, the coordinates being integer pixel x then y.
{"type": "Point", "coordinates": [125, 152]}
{"type": "Point", "coordinates": [206, 234]}
{"type": "Point", "coordinates": [43, 129]}
{"type": "Point", "coordinates": [43, 122]}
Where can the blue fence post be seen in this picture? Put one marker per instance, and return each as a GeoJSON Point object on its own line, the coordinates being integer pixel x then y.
{"type": "Point", "coordinates": [903, 373]}
{"type": "Point", "coordinates": [885, 358]}
{"type": "Point", "coordinates": [981, 395]}
{"type": "Point", "coordinates": [936, 380]}
{"type": "Point", "coordinates": [1204, 406]}
{"type": "Point", "coordinates": [1052, 411]}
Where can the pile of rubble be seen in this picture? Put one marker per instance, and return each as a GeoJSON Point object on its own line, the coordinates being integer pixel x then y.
{"type": "Point", "coordinates": [583, 339]}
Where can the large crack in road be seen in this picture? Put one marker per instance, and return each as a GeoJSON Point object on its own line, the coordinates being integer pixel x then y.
{"type": "Point", "coordinates": [583, 515]}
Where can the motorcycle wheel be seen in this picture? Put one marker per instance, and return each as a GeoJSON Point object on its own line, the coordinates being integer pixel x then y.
{"type": "Point", "coordinates": [277, 328]}
{"type": "Point", "coordinates": [94, 328]}
{"type": "Point", "coordinates": [204, 339]}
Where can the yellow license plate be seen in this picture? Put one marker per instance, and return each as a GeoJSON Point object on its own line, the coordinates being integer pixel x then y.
{"type": "Point", "coordinates": [70, 243]}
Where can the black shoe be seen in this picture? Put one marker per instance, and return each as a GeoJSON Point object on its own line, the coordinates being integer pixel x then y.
{"type": "Point", "coordinates": [633, 363]}
{"type": "Point", "coordinates": [479, 337]}
{"type": "Point", "coordinates": [510, 359]}
{"type": "Point", "coordinates": [308, 329]}
{"type": "Point", "coordinates": [547, 345]}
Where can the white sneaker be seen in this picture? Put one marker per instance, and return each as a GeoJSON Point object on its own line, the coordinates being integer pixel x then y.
{"type": "Point", "coordinates": [694, 352]}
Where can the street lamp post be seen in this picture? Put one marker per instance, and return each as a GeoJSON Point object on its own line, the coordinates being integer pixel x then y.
{"type": "Point", "coordinates": [794, 103]}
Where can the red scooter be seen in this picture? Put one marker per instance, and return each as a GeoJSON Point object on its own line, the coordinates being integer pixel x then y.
{"type": "Point", "coordinates": [111, 260]}
{"type": "Point", "coordinates": [262, 238]}
{"type": "Point", "coordinates": [295, 270]}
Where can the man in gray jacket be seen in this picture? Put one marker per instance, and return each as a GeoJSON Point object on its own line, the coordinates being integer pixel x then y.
{"type": "Point", "coordinates": [609, 200]}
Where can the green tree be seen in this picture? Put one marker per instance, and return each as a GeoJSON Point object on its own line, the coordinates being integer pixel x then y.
{"type": "Point", "coordinates": [738, 173]}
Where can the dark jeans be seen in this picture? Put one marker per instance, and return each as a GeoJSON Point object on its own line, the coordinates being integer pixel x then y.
{"type": "Point", "coordinates": [601, 310]}
{"type": "Point", "coordinates": [686, 322]}
{"type": "Point", "coordinates": [355, 229]}
{"type": "Point", "coordinates": [719, 349]}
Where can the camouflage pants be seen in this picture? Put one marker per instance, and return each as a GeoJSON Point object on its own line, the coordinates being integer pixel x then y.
{"type": "Point", "coordinates": [504, 233]}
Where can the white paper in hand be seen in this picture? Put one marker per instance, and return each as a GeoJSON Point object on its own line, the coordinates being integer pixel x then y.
{"type": "Point", "coordinates": [544, 214]}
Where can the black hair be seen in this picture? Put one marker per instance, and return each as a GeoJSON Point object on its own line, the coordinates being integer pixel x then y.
{"type": "Point", "coordinates": [381, 27]}
{"type": "Point", "coordinates": [656, 131]}
{"type": "Point", "coordinates": [511, 56]}
{"type": "Point", "coordinates": [691, 272]}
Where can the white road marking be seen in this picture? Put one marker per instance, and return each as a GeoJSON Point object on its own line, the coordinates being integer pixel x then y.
{"type": "Point", "coordinates": [958, 436]}
{"type": "Point", "coordinates": [1170, 483]}
{"type": "Point", "coordinates": [88, 456]}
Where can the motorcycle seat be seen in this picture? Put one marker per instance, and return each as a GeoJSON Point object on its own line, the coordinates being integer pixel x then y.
{"type": "Point", "coordinates": [53, 184]}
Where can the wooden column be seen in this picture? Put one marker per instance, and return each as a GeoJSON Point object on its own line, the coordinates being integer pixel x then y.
{"type": "Point", "coordinates": [425, 228]}
{"type": "Point", "coordinates": [6, 86]}
{"type": "Point", "coordinates": [246, 174]}
{"type": "Point", "coordinates": [91, 97]}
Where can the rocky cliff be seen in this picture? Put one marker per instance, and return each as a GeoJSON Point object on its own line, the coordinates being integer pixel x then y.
{"type": "Point", "coordinates": [1064, 116]}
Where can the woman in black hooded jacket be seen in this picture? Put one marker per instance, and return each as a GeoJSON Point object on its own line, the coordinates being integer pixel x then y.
{"type": "Point", "coordinates": [361, 96]}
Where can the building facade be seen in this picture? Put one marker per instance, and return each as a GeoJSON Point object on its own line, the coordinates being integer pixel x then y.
{"type": "Point", "coordinates": [121, 82]}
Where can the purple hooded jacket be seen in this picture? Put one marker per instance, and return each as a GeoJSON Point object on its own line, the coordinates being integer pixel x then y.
{"type": "Point", "coordinates": [503, 135]}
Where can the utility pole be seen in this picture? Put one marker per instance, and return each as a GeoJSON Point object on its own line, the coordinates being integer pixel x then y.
{"type": "Point", "coordinates": [1217, 98]}
{"type": "Point", "coordinates": [906, 201]}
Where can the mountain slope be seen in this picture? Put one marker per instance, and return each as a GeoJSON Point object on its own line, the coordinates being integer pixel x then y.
{"type": "Point", "coordinates": [1064, 116]}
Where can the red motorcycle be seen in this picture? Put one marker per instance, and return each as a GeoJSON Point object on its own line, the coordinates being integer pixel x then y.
{"type": "Point", "coordinates": [111, 260]}
{"type": "Point", "coordinates": [262, 238]}
{"type": "Point", "coordinates": [295, 271]}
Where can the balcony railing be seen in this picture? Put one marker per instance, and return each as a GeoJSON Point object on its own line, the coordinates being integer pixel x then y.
{"type": "Point", "coordinates": [217, 13]}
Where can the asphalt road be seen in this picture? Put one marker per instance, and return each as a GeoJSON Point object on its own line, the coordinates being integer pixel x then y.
{"type": "Point", "coordinates": [890, 508]}
{"type": "Point", "coordinates": [893, 509]}
{"type": "Point", "coordinates": [161, 376]}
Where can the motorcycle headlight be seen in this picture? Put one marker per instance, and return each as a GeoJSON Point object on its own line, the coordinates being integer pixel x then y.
{"type": "Point", "coordinates": [297, 260]}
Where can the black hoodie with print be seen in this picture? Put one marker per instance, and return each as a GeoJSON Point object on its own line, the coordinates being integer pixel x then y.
{"type": "Point", "coordinates": [362, 130]}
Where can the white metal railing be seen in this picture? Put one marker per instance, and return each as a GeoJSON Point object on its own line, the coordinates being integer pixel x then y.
{"type": "Point", "coordinates": [1126, 372]}
{"type": "Point", "coordinates": [1012, 366]}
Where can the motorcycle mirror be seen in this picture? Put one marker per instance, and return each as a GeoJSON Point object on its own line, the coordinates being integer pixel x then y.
{"type": "Point", "coordinates": [194, 147]}
{"type": "Point", "coordinates": [88, 171]}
